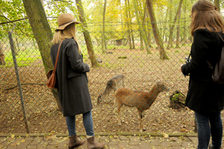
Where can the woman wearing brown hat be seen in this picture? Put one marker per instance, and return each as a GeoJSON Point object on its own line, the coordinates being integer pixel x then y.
{"type": "Point", "coordinates": [72, 82]}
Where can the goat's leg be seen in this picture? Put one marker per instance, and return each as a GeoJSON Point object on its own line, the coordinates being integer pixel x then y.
{"type": "Point", "coordinates": [114, 101]}
{"type": "Point", "coordinates": [123, 83]}
{"type": "Point", "coordinates": [119, 105]}
{"type": "Point", "coordinates": [114, 97]}
{"type": "Point", "coordinates": [115, 105]}
{"type": "Point", "coordinates": [99, 99]}
{"type": "Point", "coordinates": [141, 116]}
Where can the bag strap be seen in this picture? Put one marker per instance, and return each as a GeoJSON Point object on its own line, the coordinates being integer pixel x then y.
{"type": "Point", "coordinates": [220, 37]}
{"type": "Point", "coordinates": [188, 58]}
{"type": "Point", "coordinates": [55, 65]}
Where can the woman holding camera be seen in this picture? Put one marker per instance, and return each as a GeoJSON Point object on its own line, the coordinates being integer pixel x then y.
{"type": "Point", "coordinates": [205, 97]}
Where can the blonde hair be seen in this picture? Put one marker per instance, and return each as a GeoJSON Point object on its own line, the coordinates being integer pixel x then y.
{"type": "Point", "coordinates": [68, 32]}
{"type": "Point", "coordinates": [206, 16]}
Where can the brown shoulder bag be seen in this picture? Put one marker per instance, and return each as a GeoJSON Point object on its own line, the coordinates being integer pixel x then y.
{"type": "Point", "coordinates": [51, 76]}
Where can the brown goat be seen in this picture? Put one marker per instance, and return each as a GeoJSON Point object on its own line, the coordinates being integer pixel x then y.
{"type": "Point", "coordinates": [139, 99]}
{"type": "Point", "coordinates": [112, 85]}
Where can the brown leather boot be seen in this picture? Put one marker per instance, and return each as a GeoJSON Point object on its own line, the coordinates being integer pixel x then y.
{"type": "Point", "coordinates": [74, 142]}
{"type": "Point", "coordinates": [91, 144]}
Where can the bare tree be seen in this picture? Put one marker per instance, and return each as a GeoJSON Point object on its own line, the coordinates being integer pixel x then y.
{"type": "Point", "coordinates": [146, 23]}
{"type": "Point", "coordinates": [156, 31]}
{"type": "Point", "coordinates": [128, 24]}
{"type": "Point", "coordinates": [173, 24]}
{"type": "Point", "coordinates": [87, 37]}
{"type": "Point", "coordinates": [142, 30]}
{"type": "Point", "coordinates": [103, 33]}
{"type": "Point", "coordinates": [178, 30]}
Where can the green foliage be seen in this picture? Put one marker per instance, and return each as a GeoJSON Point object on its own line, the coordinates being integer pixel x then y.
{"type": "Point", "coordinates": [118, 14]}
{"type": "Point", "coordinates": [178, 97]}
{"type": "Point", "coordinates": [116, 11]}
{"type": "Point", "coordinates": [110, 65]}
{"type": "Point", "coordinates": [175, 97]}
{"type": "Point", "coordinates": [23, 58]}
{"type": "Point", "coordinates": [11, 10]}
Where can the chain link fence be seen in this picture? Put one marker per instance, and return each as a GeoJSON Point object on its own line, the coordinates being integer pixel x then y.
{"type": "Point", "coordinates": [140, 69]}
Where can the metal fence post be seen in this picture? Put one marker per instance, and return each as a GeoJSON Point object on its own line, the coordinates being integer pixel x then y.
{"type": "Point", "coordinates": [18, 80]}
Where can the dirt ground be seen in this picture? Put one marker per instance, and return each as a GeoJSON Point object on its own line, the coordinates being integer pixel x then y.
{"type": "Point", "coordinates": [111, 142]}
{"type": "Point", "coordinates": [141, 72]}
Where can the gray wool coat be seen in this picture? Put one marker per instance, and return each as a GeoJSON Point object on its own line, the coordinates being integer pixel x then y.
{"type": "Point", "coordinates": [72, 82]}
{"type": "Point", "coordinates": [204, 96]}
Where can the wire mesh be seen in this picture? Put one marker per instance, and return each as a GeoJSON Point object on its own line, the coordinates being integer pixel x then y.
{"type": "Point", "coordinates": [125, 53]}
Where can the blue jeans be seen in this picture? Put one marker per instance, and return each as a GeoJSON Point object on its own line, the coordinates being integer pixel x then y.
{"type": "Point", "coordinates": [210, 124]}
{"type": "Point", "coordinates": [87, 121]}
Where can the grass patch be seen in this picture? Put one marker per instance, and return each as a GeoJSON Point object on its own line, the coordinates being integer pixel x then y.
{"type": "Point", "coordinates": [112, 47]}
{"type": "Point", "coordinates": [23, 58]}
{"type": "Point", "coordinates": [177, 51]}
{"type": "Point", "coordinates": [111, 66]}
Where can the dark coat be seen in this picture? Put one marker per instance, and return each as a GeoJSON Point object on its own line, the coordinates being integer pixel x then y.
{"type": "Point", "coordinates": [72, 82]}
{"type": "Point", "coordinates": [204, 96]}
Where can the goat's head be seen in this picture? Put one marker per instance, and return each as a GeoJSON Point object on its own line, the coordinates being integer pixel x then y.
{"type": "Point", "coordinates": [161, 86]}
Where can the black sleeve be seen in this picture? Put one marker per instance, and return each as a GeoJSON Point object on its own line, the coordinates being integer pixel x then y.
{"type": "Point", "coordinates": [75, 58]}
{"type": "Point", "coordinates": [199, 52]}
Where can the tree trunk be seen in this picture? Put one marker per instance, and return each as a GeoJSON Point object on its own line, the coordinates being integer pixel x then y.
{"type": "Point", "coordinates": [103, 33]}
{"type": "Point", "coordinates": [142, 31]}
{"type": "Point", "coordinates": [217, 4]}
{"type": "Point", "coordinates": [42, 33]}
{"type": "Point", "coordinates": [132, 39]}
{"type": "Point", "coordinates": [141, 41]}
{"type": "Point", "coordinates": [156, 31]}
{"type": "Point", "coordinates": [173, 24]}
{"type": "Point", "coordinates": [146, 25]}
{"type": "Point", "coordinates": [128, 24]}
{"type": "Point", "coordinates": [41, 29]}
{"type": "Point", "coordinates": [2, 57]}
{"type": "Point", "coordinates": [140, 35]}
{"type": "Point", "coordinates": [165, 26]}
{"type": "Point", "coordinates": [87, 37]}
{"type": "Point", "coordinates": [178, 31]}
{"type": "Point", "coordinates": [131, 30]}
{"type": "Point", "coordinates": [184, 33]}
{"type": "Point", "coordinates": [170, 18]}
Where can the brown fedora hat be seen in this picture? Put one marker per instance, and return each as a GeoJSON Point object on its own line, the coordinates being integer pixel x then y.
{"type": "Point", "coordinates": [64, 20]}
